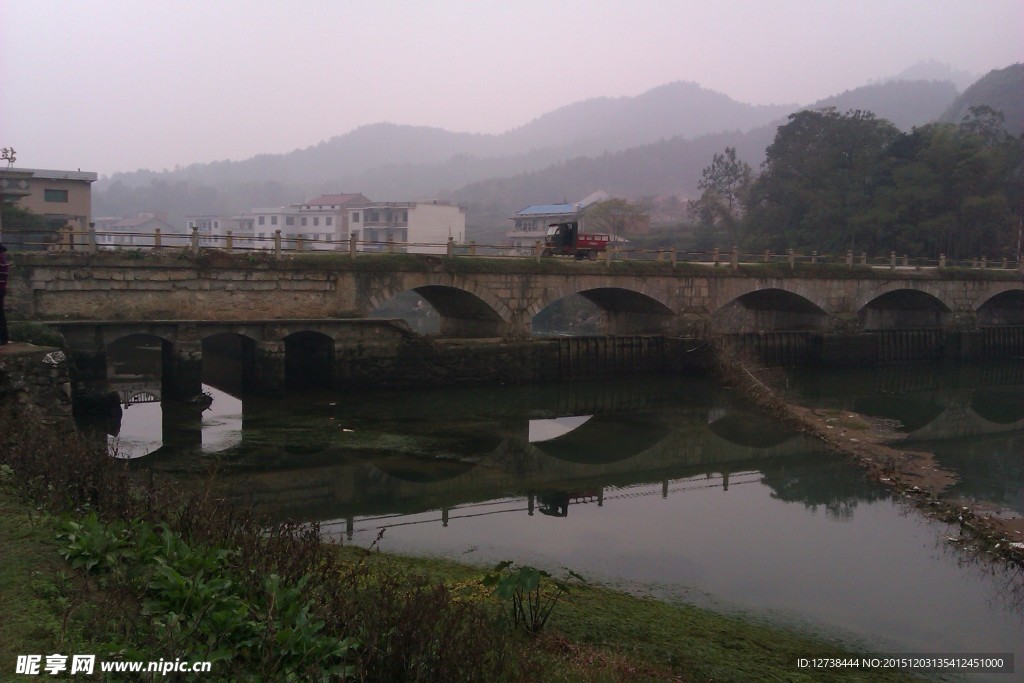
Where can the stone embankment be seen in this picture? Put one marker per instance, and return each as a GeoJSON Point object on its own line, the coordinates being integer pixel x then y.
{"type": "Point", "coordinates": [915, 476]}
{"type": "Point", "coordinates": [37, 376]}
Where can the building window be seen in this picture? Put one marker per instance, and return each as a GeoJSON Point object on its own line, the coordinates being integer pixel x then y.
{"type": "Point", "coordinates": [355, 216]}
{"type": "Point", "coordinates": [303, 220]}
{"type": "Point", "coordinates": [273, 220]}
{"type": "Point", "coordinates": [316, 220]}
{"type": "Point", "coordinates": [328, 221]}
{"type": "Point", "coordinates": [289, 220]}
{"type": "Point", "coordinates": [55, 196]}
{"type": "Point", "coordinates": [261, 220]}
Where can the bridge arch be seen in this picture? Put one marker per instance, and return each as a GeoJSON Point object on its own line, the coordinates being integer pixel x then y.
{"type": "Point", "coordinates": [902, 308]}
{"type": "Point", "coordinates": [1004, 308]}
{"type": "Point", "coordinates": [770, 309]}
{"type": "Point", "coordinates": [625, 311]}
{"type": "Point", "coordinates": [465, 312]}
{"type": "Point", "coordinates": [308, 360]}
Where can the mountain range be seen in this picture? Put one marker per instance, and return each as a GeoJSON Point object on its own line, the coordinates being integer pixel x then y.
{"type": "Point", "coordinates": [654, 144]}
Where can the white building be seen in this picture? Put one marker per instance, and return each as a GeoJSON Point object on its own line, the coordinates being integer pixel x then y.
{"type": "Point", "coordinates": [138, 231]}
{"type": "Point", "coordinates": [414, 227]}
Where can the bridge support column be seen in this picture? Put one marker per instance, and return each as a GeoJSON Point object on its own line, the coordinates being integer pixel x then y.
{"type": "Point", "coordinates": [268, 375]}
{"type": "Point", "coordinates": [183, 427]}
{"type": "Point", "coordinates": [182, 371]}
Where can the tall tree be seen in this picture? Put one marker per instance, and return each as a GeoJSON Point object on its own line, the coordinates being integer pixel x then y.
{"type": "Point", "coordinates": [820, 172]}
{"type": "Point", "coordinates": [614, 216]}
{"type": "Point", "coordinates": [726, 185]}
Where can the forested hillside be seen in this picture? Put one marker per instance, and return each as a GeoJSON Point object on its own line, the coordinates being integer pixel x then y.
{"type": "Point", "coordinates": [1002, 90]}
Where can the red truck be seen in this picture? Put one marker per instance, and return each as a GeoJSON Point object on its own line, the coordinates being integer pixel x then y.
{"type": "Point", "coordinates": [565, 239]}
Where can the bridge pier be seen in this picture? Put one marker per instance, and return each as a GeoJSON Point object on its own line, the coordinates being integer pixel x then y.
{"type": "Point", "coordinates": [268, 376]}
{"type": "Point", "coordinates": [182, 370]}
{"type": "Point", "coordinates": [182, 427]}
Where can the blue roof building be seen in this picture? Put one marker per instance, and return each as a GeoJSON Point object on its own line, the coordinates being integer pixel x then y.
{"type": "Point", "coordinates": [531, 224]}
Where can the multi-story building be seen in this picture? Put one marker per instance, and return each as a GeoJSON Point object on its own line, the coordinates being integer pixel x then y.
{"type": "Point", "coordinates": [330, 211]}
{"type": "Point", "coordinates": [414, 227]}
{"type": "Point", "coordinates": [62, 198]}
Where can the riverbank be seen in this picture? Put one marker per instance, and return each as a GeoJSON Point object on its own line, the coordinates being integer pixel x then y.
{"type": "Point", "coordinates": [70, 516]}
{"type": "Point", "coordinates": [915, 476]}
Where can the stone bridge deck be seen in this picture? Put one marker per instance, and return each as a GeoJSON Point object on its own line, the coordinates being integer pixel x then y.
{"type": "Point", "coordinates": [489, 297]}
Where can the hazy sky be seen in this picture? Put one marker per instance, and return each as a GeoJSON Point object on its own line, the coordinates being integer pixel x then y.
{"type": "Point", "coordinates": [117, 85]}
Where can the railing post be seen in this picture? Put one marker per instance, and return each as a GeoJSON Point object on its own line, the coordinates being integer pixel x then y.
{"type": "Point", "coordinates": [984, 262]}
{"type": "Point", "coordinates": [1004, 263]}
{"type": "Point", "coordinates": [673, 257]}
{"type": "Point", "coordinates": [735, 261]}
{"type": "Point", "coordinates": [229, 242]}
{"type": "Point", "coordinates": [905, 261]}
{"type": "Point", "coordinates": [391, 245]}
{"type": "Point", "coordinates": [538, 249]}
{"type": "Point", "coordinates": [814, 257]}
{"type": "Point", "coordinates": [863, 258]}
{"type": "Point", "coordinates": [849, 258]}
{"type": "Point", "coordinates": [300, 242]}
{"type": "Point", "coordinates": [277, 243]}
{"type": "Point", "coordinates": [91, 238]}
{"type": "Point", "coordinates": [352, 243]}
{"type": "Point", "coordinates": [195, 240]}
{"type": "Point", "coordinates": [451, 246]}
{"type": "Point", "coordinates": [715, 256]}
{"type": "Point", "coordinates": [942, 260]}
{"type": "Point", "coordinates": [892, 260]}
{"type": "Point", "coordinates": [472, 247]}
{"type": "Point", "coordinates": [157, 239]}
{"type": "Point", "coordinates": [792, 258]}
{"type": "Point", "coordinates": [767, 255]}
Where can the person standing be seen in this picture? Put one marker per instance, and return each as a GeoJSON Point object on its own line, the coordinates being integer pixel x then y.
{"type": "Point", "coordinates": [5, 267]}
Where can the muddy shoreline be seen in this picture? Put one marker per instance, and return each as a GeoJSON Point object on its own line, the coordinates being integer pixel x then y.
{"type": "Point", "coordinates": [914, 476]}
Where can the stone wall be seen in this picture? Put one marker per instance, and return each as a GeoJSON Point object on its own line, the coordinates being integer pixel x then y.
{"type": "Point", "coordinates": [37, 377]}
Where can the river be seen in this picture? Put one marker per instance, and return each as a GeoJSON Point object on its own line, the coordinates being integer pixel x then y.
{"type": "Point", "coordinates": [664, 486]}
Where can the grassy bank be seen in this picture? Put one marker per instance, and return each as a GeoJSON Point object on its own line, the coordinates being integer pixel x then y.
{"type": "Point", "coordinates": [96, 561]}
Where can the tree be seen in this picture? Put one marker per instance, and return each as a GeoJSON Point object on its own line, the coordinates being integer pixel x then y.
{"type": "Point", "coordinates": [615, 217]}
{"type": "Point", "coordinates": [727, 179]}
{"type": "Point", "coordinates": [821, 171]}
{"type": "Point", "coordinates": [726, 184]}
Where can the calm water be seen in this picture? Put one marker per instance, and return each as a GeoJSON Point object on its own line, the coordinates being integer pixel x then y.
{"type": "Point", "coordinates": [668, 487]}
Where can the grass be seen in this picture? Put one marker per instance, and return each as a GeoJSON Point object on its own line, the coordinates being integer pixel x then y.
{"type": "Point", "coordinates": [42, 608]}
{"type": "Point", "coordinates": [601, 634]}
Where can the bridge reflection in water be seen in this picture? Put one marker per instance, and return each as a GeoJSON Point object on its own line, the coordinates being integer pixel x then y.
{"type": "Point", "coordinates": [328, 456]}
{"type": "Point", "coordinates": [674, 487]}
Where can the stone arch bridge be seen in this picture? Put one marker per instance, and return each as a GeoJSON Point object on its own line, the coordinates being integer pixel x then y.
{"type": "Point", "coordinates": [490, 297]}
{"type": "Point", "coordinates": [313, 309]}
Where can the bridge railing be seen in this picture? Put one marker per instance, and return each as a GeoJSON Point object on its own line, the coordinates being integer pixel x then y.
{"type": "Point", "coordinates": [279, 245]}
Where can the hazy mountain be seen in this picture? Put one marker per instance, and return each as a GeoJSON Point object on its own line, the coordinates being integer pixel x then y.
{"type": "Point", "coordinates": [1002, 89]}
{"type": "Point", "coordinates": [905, 103]}
{"type": "Point", "coordinates": [589, 127]}
{"type": "Point", "coordinates": [932, 70]}
{"type": "Point", "coordinates": [656, 143]}
{"type": "Point", "coordinates": [674, 166]}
